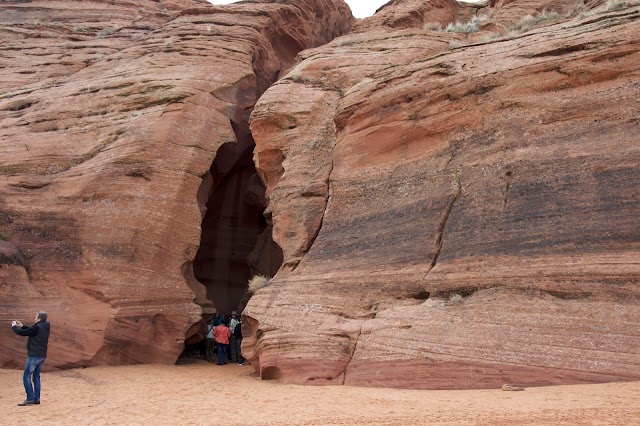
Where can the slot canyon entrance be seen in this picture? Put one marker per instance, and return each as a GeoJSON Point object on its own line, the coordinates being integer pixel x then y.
{"type": "Point", "coordinates": [236, 241]}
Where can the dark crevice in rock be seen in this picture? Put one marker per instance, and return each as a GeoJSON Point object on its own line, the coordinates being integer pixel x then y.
{"type": "Point", "coordinates": [368, 315]}
{"type": "Point", "coordinates": [421, 295]}
{"type": "Point", "coordinates": [271, 373]}
{"type": "Point", "coordinates": [445, 219]}
{"type": "Point", "coordinates": [355, 346]}
{"type": "Point", "coordinates": [505, 199]}
{"type": "Point", "coordinates": [275, 363]}
{"type": "Point", "coordinates": [234, 245]}
{"type": "Point", "coordinates": [462, 291]}
{"type": "Point", "coordinates": [259, 334]}
{"type": "Point", "coordinates": [566, 50]}
{"type": "Point", "coordinates": [31, 184]}
{"type": "Point", "coordinates": [568, 295]}
{"type": "Point", "coordinates": [19, 105]}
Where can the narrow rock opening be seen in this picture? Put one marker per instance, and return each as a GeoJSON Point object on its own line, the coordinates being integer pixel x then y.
{"type": "Point", "coordinates": [236, 241]}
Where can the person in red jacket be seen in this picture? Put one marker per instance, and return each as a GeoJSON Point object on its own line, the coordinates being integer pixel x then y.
{"type": "Point", "coordinates": [221, 335]}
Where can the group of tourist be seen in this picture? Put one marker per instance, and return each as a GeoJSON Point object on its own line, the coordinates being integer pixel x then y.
{"type": "Point", "coordinates": [224, 339]}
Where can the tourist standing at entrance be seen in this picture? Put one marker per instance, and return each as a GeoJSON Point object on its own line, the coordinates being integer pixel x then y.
{"type": "Point", "coordinates": [237, 336]}
{"type": "Point", "coordinates": [218, 319]}
{"type": "Point", "coordinates": [209, 341]}
{"type": "Point", "coordinates": [232, 340]}
{"type": "Point", "coordinates": [221, 335]}
{"type": "Point", "coordinates": [37, 342]}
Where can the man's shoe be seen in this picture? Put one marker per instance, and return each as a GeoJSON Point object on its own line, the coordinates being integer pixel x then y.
{"type": "Point", "coordinates": [36, 402]}
{"type": "Point", "coordinates": [27, 402]}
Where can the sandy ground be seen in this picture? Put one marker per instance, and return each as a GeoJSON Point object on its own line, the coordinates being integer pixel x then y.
{"type": "Point", "coordinates": [205, 394]}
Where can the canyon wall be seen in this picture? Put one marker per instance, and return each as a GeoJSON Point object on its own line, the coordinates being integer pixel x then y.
{"type": "Point", "coordinates": [111, 114]}
{"type": "Point", "coordinates": [456, 209]}
{"type": "Point", "coordinates": [451, 188]}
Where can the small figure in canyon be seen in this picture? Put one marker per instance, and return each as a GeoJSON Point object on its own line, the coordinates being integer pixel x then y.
{"type": "Point", "coordinates": [37, 342]}
{"type": "Point", "coordinates": [237, 334]}
{"type": "Point", "coordinates": [232, 339]}
{"type": "Point", "coordinates": [210, 340]}
{"type": "Point", "coordinates": [221, 334]}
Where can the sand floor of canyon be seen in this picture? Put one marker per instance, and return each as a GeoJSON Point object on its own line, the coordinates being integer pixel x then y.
{"type": "Point", "coordinates": [205, 394]}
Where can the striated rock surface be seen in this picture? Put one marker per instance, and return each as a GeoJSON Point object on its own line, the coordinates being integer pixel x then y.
{"type": "Point", "coordinates": [455, 210]}
{"type": "Point", "coordinates": [111, 114]}
{"type": "Point", "coordinates": [443, 209]}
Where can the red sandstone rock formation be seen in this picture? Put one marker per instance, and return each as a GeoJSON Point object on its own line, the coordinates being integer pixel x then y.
{"type": "Point", "coordinates": [111, 114]}
{"type": "Point", "coordinates": [455, 210]}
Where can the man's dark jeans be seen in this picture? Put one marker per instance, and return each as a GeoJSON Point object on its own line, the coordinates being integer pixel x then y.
{"type": "Point", "coordinates": [238, 343]}
{"type": "Point", "coordinates": [222, 353]}
{"type": "Point", "coordinates": [232, 346]}
{"type": "Point", "coordinates": [209, 352]}
{"type": "Point", "coordinates": [32, 370]}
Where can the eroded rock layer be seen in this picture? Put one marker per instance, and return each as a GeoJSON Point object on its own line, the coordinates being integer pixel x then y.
{"type": "Point", "coordinates": [455, 209]}
{"type": "Point", "coordinates": [111, 114]}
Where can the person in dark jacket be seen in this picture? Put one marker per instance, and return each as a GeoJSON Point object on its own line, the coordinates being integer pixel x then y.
{"type": "Point", "coordinates": [36, 353]}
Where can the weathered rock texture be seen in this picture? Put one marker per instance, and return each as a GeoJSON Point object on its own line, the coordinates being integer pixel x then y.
{"type": "Point", "coordinates": [455, 210]}
{"type": "Point", "coordinates": [450, 210]}
{"type": "Point", "coordinates": [111, 114]}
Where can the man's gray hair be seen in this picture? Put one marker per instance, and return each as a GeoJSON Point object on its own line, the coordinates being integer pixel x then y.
{"type": "Point", "coordinates": [42, 315]}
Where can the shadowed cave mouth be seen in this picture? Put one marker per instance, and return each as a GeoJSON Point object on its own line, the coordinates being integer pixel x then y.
{"type": "Point", "coordinates": [236, 241]}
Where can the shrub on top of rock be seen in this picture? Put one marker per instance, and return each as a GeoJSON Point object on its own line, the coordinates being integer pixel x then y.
{"type": "Point", "coordinates": [465, 27]}
{"type": "Point", "coordinates": [529, 21]}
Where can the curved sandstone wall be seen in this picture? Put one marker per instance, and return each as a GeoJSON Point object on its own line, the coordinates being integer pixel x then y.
{"type": "Point", "coordinates": [455, 210]}
{"type": "Point", "coordinates": [111, 114]}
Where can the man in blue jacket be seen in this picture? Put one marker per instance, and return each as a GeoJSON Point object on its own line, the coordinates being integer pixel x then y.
{"type": "Point", "coordinates": [36, 353]}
